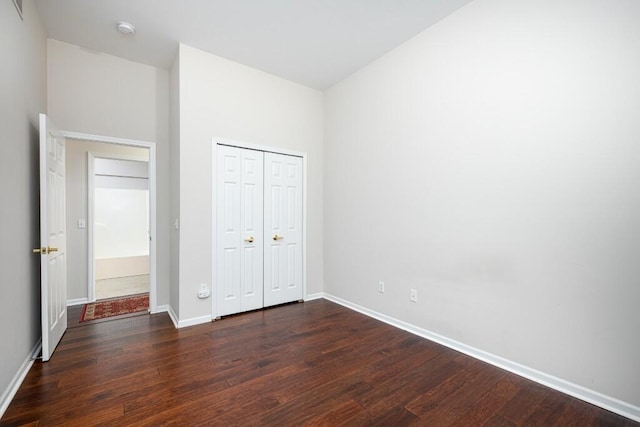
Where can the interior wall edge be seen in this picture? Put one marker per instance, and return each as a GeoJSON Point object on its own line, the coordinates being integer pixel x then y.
{"type": "Point", "coordinates": [166, 308]}
{"type": "Point", "coordinates": [609, 403]}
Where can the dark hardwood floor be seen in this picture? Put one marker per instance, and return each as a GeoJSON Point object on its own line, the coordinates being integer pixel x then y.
{"type": "Point", "coordinates": [314, 363]}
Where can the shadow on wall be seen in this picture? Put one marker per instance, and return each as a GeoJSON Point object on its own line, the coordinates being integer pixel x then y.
{"type": "Point", "coordinates": [34, 220]}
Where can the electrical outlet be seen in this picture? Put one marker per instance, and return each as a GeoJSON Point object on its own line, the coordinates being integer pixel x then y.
{"type": "Point", "coordinates": [414, 295]}
{"type": "Point", "coordinates": [381, 287]}
{"type": "Point", "coordinates": [204, 292]}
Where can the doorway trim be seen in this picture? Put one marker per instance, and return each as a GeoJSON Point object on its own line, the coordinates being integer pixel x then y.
{"type": "Point", "coordinates": [214, 238]}
{"type": "Point", "coordinates": [153, 299]}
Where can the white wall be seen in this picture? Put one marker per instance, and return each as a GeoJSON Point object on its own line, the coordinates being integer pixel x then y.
{"type": "Point", "coordinates": [96, 93]}
{"type": "Point", "coordinates": [77, 207]}
{"type": "Point", "coordinates": [174, 174]}
{"type": "Point", "coordinates": [121, 220]}
{"type": "Point", "coordinates": [23, 95]}
{"type": "Point", "coordinates": [121, 201]}
{"type": "Point", "coordinates": [491, 163]}
{"type": "Point", "coordinates": [220, 98]}
{"type": "Point", "coordinates": [109, 268]}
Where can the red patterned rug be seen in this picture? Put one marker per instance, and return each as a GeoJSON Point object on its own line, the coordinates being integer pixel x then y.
{"type": "Point", "coordinates": [115, 307]}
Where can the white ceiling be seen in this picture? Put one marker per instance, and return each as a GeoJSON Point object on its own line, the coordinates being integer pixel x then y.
{"type": "Point", "coordinates": [313, 42]}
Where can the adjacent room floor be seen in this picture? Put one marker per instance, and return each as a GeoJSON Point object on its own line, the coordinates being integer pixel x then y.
{"type": "Point", "coordinates": [313, 363]}
{"type": "Point", "coordinates": [122, 286]}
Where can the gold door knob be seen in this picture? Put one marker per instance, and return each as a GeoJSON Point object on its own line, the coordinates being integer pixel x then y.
{"type": "Point", "coordinates": [45, 250]}
{"type": "Point", "coordinates": [276, 237]}
{"type": "Point", "coordinates": [249, 240]}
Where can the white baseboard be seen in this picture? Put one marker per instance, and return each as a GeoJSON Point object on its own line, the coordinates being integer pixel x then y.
{"type": "Point", "coordinates": [77, 301]}
{"type": "Point", "coordinates": [172, 316]}
{"type": "Point", "coordinates": [194, 321]}
{"type": "Point", "coordinates": [311, 297]}
{"type": "Point", "coordinates": [160, 309]}
{"type": "Point", "coordinates": [8, 395]}
{"type": "Point", "coordinates": [166, 308]}
{"type": "Point", "coordinates": [596, 398]}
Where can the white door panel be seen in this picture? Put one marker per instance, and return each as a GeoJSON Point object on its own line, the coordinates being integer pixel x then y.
{"type": "Point", "coordinates": [239, 230]}
{"type": "Point", "coordinates": [252, 230]}
{"type": "Point", "coordinates": [53, 238]}
{"type": "Point", "coordinates": [283, 229]}
{"type": "Point", "coordinates": [228, 231]}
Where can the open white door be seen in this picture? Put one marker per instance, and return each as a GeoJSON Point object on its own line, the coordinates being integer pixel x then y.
{"type": "Point", "coordinates": [53, 237]}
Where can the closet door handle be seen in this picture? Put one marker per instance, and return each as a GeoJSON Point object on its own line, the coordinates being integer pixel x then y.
{"type": "Point", "coordinates": [276, 237]}
{"type": "Point", "coordinates": [249, 240]}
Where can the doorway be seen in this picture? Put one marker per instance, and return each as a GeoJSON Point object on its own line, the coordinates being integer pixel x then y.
{"type": "Point", "coordinates": [113, 218]}
{"type": "Point", "coordinates": [119, 215]}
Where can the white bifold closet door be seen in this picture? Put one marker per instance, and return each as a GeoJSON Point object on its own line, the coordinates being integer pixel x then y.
{"type": "Point", "coordinates": [259, 229]}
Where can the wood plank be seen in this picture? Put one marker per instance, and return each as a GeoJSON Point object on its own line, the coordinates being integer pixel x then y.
{"type": "Point", "coordinates": [315, 363]}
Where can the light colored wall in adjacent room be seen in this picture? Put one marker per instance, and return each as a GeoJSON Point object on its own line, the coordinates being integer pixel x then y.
{"type": "Point", "coordinates": [492, 164]}
{"type": "Point", "coordinates": [220, 98]}
{"type": "Point", "coordinates": [23, 95]}
{"type": "Point", "coordinates": [77, 207]}
{"type": "Point", "coordinates": [96, 93]}
{"type": "Point", "coordinates": [108, 268]}
{"type": "Point", "coordinates": [121, 218]}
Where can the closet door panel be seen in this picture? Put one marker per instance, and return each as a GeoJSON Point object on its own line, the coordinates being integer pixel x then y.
{"type": "Point", "coordinates": [239, 230]}
{"type": "Point", "coordinates": [251, 218]}
{"type": "Point", "coordinates": [283, 229]}
{"type": "Point", "coordinates": [229, 181]}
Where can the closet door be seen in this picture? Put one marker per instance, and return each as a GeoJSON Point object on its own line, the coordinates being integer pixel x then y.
{"type": "Point", "coordinates": [282, 229]}
{"type": "Point", "coordinates": [239, 204]}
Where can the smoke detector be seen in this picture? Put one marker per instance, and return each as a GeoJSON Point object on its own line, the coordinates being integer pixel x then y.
{"type": "Point", "coordinates": [125, 28]}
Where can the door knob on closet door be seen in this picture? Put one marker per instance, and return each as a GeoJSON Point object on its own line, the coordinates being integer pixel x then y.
{"type": "Point", "coordinates": [276, 237]}
{"type": "Point", "coordinates": [249, 240]}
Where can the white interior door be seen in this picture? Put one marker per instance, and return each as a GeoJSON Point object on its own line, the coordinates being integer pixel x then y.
{"type": "Point", "coordinates": [53, 237]}
{"type": "Point", "coordinates": [283, 229]}
{"type": "Point", "coordinates": [239, 229]}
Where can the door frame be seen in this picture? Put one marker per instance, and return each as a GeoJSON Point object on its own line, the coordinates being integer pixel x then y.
{"type": "Point", "coordinates": [214, 238]}
{"type": "Point", "coordinates": [151, 146]}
